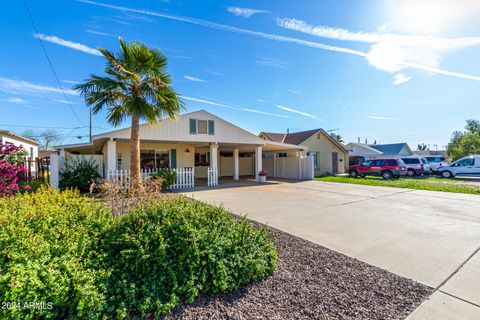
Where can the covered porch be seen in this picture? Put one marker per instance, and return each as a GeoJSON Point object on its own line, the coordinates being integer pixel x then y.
{"type": "Point", "coordinates": [198, 163]}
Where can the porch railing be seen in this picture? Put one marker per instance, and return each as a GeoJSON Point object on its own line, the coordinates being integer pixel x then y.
{"type": "Point", "coordinates": [185, 177]}
{"type": "Point", "coordinates": [212, 176]}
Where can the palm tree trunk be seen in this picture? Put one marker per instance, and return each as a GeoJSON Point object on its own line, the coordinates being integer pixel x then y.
{"type": "Point", "coordinates": [135, 178]}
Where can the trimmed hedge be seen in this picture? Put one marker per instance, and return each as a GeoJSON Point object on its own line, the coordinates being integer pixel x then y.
{"type": "Point", "coordinates": [61, 248]}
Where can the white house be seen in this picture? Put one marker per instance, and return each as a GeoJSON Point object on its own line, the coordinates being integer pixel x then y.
{"type": "Point", "coordinates": [360, 152]}
{"type": "Point", "coordinates": [198, 145]}
{"type": "Point", "coordinates": [31, 146]}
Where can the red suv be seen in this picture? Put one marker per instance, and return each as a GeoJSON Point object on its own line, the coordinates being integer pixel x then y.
{"type": "Point", "coordinates": [386, 168]}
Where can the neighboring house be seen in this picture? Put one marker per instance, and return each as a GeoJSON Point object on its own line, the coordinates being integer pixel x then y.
{"type": "Point", "coordinates": [329, 155]}
{"type": "Point", "coordinates": [442, 153]}
{"type": "Point", "coordinates": [360, 152]}
{"type": "Point", "coordinates": [31, 146]}
{"type": "Point", "coordinates": [197, 141]}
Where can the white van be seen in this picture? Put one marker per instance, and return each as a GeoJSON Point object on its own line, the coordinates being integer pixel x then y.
{"type": "Point", "coordinates": [466, 166]}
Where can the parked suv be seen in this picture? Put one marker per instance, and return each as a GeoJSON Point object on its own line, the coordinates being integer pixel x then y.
{"type": "Point", "coordinates": [386, 168]}
{"type": "Point", "coordinates": [436, 162]}
{"type": "Point", "coordinates": [467, 166]}
{"type": "Point", "coordinates": [416, 166]}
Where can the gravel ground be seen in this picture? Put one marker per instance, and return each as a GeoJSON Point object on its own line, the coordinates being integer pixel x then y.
{"type": "Point", "coordinates": [313, 282]}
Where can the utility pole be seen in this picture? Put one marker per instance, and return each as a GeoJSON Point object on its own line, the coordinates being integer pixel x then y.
{"type": "Point", "coordinates": [90, 124]}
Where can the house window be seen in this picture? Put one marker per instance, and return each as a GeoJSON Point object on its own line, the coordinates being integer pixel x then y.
{"type": "Point", "coordinates": [282, 154]}
{"type": "Point", "coordinates": [152, 159]}
{"type": "Point", "coordinates": [193, 126]}
{"type": "Point", "coordinates": [119, 161]}
{"type": "Point", "coordinates": [202, 159]}
{"type": "Point", "coordinates": [31, 153]}
{"type": "Point", "coordinates": [201, 126]}
{"type": "Point", "coordinates": [211, 127]}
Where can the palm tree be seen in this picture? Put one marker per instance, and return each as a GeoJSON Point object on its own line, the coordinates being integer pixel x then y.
{"type": "Point", "coordinates": [339, 138]}
{"type": "Point", "coordinates": [136, 85]}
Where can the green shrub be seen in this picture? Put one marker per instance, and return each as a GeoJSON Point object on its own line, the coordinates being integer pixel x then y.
{"type": "Point", "coordinates": [79, 173]}
{"type": "Point", "coordinates": [62, 248]}
{"type": "Point", "coordinates": [169, 177]}
{"type": "Point", "coordinates": [48, 254]}
{"type": "Point", "coordinates": [174, 250]}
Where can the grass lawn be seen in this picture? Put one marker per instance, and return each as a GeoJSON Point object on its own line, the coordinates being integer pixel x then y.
{"type": "Point", "coordinates": [433, 184]}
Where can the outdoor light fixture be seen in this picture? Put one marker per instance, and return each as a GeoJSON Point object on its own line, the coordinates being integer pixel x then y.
{"type": "Point", "coordinates": [187, 151]}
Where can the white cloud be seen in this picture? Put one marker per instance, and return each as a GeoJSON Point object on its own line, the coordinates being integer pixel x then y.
{"type": "Point", "coordinates": [62, 101]}
{"type": "Point", "coordinates": [69, 44]}
{"type": "Point", "coordinates": [15, 100]}
{"type": "Point", "coordinates": [269, 62]}
{"type": "Point", "coordinates": [212, 103]}
{"type": "Point", "coordinates": [381, 118]}
{"type": "Point", "coordinates": [192, 78]}
{"type": "Point", "coordinates": [27, 87]}
{"type": "Point", "coordinates": [71, 81]}
{"type": "Point", "coordinates": [215, 73]}
{"type": "Point", "coordinates": [245, 12]}
{"type": "Point", "coordinates": [101, 33]}
{"type": "Point", "coordinates": [261, 101]}
{"type": "Point", "coordinates": [219, 26]}
{"type": "Point", "coordinates": [393, 52]}
{"type": "Point", "coordinates": [400, 78]}
{"type": "Point", "coordinates": [305, 114]}
{"type": "Point", "coordinates": [312, 44]}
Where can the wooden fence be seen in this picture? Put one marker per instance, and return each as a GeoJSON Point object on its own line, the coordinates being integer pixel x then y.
{"type": "Point", "coordinates": [38, 168]}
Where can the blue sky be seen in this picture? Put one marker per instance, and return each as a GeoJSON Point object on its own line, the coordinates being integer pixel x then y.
{"type": "Point", "coordinates": [389, 71]}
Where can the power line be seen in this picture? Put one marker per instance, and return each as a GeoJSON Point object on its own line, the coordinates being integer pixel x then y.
{"type": "Point", "coordinates": [50, 61]}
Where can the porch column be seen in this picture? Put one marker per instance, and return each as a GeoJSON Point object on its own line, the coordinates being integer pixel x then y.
{"type": "Point", "coordinates": [258, 161]}
{"type": "Point", "coordinates": [214, 156]}
{"type": "Point", "coordinates": [274, 164]}
{"type": "Point", "coordinates": [236, 165]}
{"type": "Point", "coordinates": [111, 156]}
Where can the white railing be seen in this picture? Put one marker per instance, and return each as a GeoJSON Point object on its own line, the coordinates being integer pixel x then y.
{"type": "Point", "coordinates": [212, 176]}
{"type": "Point", "coordinates": [185, 177]}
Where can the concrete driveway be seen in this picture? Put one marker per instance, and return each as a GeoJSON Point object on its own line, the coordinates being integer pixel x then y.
{"type": "Point", "coordinates": [430, 237]}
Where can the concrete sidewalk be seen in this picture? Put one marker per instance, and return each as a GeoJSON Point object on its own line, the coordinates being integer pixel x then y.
{"type": "Point", "coordinates": [430, 237]}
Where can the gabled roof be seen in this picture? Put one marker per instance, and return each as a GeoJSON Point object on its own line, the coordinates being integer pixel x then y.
{"type": "Point", "coordinates": [297, 138]}
{"type": "Point", "coordinates": [364, 146]}
{"type": "Point", "coordinates": [18, 137]}
{"type": "Point", "coordinates": [393, 148]}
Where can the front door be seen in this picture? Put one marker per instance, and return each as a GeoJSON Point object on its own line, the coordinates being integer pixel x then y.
{"type": "Point", "coordinates": [334, 162]}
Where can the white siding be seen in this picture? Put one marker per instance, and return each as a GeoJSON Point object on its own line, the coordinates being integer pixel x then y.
{"type": "Point", "coordinates": [178, 130]}
{"type": "Point", "coordinates": [4, 139]}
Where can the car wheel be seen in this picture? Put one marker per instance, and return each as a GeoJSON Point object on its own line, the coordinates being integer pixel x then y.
{"type": "Point", "coordinates": [447, 174]}
{"type": "Point", "coordinates": [387, 175]}
{"type": "Point", "coordinates": [410, 173]}
{"type": "Point", "coordinates": [353, 173]}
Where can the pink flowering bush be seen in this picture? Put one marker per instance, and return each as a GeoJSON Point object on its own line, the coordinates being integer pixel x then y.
{"type": "Point", "coordinates": [12, 169]}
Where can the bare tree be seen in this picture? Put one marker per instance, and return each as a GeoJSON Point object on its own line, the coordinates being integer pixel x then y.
{"type": "Point", "coordinates": [46, 138]}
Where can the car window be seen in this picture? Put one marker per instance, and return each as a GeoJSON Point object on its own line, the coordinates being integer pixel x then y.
{"type": "Point", "coordinates": [424, 161]}
{"type": "Point", "coordinates": [411, 160]}
{"type": "Point", "coordinates": [431, 159]}
{"type": "Point", "coordinates": [367, 163]}
{"type": "Point", "coordinates": [464, 162]}
{"type": "Point", "coordinates": [442, 158]}
{"type": "Point", "coordinates": [391, 162]}
{"type": "Point", "coordinates": [377, 163]}
{"type": "Point", "coordinates": [400, 162]}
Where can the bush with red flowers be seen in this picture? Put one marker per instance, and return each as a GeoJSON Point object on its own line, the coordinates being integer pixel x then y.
{"type": "Point", "coordinates": [12, 169]}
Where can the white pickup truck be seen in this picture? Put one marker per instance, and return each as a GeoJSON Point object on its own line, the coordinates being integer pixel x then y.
{"type": "Point", "coordinates": [466, 166]}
